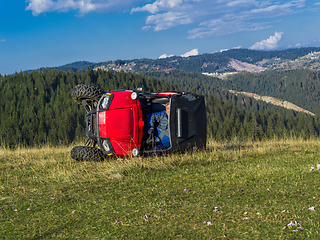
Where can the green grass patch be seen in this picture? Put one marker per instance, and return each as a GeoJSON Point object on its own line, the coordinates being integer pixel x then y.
{"type": "Point", "coordinates": [247, 191]}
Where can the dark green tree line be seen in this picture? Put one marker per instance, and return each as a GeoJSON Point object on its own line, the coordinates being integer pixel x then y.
{"type": "Point", "coordinates": [36, 107]}
{"type": "Point", "coordinates": [226, 121]}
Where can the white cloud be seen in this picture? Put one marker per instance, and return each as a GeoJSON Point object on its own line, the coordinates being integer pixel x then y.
{"type": "Point", "coordinates": [167, 20]}
{"type": "Point", "coordinates": [227, 49]}
{"type": "Point", "coordinates": [41, 6]}
{"type": "Point", "coordinates": [270, 43]}
{"type": "Point", "coordinates": [146, 28]}
{"type": "Point", "coordinates": [3, 40]}
{"type": "Point", "coordinates": [193, 52]}
{"type": "Point", "coordinates": [157, 6]}
{"type": "Point", "coordinates": [217, 17]}
{"type": "Point", "coordinates": [165, 56]}
{"type": "Point", "coordinates": [225, 27]}
{"type": "Point", "coordinates": [83, 6]}
{"type": "Point", "coordinates": [240, 2]}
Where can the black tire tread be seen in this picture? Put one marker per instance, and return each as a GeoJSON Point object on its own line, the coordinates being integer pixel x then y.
{"type": "Point", "coordinates": [86, 92]}
{"type": "Point", "coordinates": [86, 153]}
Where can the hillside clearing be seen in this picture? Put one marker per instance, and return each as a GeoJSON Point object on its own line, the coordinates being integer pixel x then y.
{"type": "Point", "coordinates": [275, 101]}
{"type": "Point", "coordinates": [237, 190]}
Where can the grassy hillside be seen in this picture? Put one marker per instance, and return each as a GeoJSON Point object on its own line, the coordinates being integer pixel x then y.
{"type": "Point", "coordinates": [243, 191]}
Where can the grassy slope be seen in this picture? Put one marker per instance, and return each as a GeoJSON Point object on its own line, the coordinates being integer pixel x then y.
{"type": "Point", "coordinates": [45, 194]}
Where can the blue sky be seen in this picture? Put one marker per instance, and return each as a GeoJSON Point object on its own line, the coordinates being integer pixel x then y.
{"type": "Point", "coordinates": [49, 33]}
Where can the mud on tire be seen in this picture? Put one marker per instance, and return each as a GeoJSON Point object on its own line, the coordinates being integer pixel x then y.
{"type": "Point", "coordinates": [86, 92]}
{"type": "Point", "coordinates": [86, 153]}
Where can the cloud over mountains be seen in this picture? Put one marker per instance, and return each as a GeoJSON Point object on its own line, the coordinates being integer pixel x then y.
{"type": "Point", "coordinates": [193, 52]}
{"type": "Point", "coordinates": [270, 43]}
{"type": "Point", "coordinates": [165, 56]}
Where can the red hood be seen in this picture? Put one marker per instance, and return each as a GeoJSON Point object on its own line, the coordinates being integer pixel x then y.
{"type": "Point", "coordinates": [117, 124]}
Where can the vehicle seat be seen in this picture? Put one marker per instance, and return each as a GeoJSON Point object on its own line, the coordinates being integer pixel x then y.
{"type": "Point", "coordinates": [158, 128]}
{"type": "Point", "coordinates": [159, 104]}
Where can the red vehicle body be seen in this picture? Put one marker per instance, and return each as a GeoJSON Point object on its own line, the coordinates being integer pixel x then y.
{"type": "Point", "coordinates": [118, 122]}
{"type": "Point", "coordinates": [122, 123]}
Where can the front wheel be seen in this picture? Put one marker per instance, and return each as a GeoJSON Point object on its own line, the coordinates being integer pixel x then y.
{"type": "Point", "coordinates": [86, 92]}
{"type": "Point", "coordinates": [86, 153]}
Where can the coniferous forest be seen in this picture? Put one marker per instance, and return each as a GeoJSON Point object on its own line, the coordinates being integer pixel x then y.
{"type": "Point", "coordinates": [36, 107]}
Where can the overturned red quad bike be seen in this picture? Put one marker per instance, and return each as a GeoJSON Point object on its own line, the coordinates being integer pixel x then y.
{"type": "Point", "coordinates": [133, 123]}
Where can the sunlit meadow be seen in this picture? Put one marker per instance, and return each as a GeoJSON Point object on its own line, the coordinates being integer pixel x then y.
{"type": "Point", "coordinates": [250, 190]}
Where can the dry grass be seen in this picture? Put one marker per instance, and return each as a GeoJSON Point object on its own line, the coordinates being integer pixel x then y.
{"type": "Point", "coordinates": [46, 194]}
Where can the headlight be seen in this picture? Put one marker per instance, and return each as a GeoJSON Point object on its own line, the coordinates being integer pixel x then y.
{"type": "Point", "coordinates": [134, 95]}
{"type": "Point", "coordinates": [135, 152]}
{"type": "Point", "coordinates": [105, 101]}
{"type": "Point", "coordinates": [105, 145]}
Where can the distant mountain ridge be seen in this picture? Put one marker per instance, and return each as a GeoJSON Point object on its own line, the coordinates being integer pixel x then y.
{"type": "Point", "coordinates": [212, 63]}
{"type": "Point", "coordinates": [78, 64]}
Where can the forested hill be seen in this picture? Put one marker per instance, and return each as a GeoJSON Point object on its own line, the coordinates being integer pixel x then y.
{"type": "Point", "coordinates": [254, 56]}
{"type": "Point", "coordinates": [301, 87]}
{"type": "Point", "coordinates": [36, 108]}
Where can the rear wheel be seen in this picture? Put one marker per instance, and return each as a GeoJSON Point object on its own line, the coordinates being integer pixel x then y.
{"type": "Point", "coordinates": [86, 153]}
{"type": "Point", "coordinates": [86, 92]}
